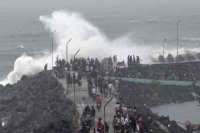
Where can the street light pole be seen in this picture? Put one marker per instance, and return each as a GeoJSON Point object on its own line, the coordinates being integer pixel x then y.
{"type": "Point", "coordinates": [164, 49]}
{"type": "Point", "coordinates": [177, 41]}
{"type": "Point", "coordinates": [67, 82]}
{"type": "Point", "coordinates": [104, 112]}
{"type": "Point", "coordinates": [52, 48]}
{"type": "Point", "coordinates": [74, 80]}
{"type": "Point", "coordinates": [67, 49]}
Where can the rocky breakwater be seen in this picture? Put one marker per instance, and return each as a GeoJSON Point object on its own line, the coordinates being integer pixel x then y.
{"type": "Point", "coordinates": [155, 94]}
{"type": "Point", "coordinates": [144, 96]}
{"type": "Point", "coordinates": [36, 104]}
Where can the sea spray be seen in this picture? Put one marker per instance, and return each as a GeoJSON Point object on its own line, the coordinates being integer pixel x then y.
{"type": "Point", "coordinates": [85, 36]}
{"type": "Point", "coordinates": [88, 38]}
{"type": "Point", "coordinates": [24, 65]}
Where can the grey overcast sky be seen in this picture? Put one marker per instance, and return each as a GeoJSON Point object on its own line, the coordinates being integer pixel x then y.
{"type": "Point", "coordinates": [174, 5]}
{"type": "Point", "coordinates": [140, 9]}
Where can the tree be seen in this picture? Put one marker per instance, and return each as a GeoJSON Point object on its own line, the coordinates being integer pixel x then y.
{"type": "Point", "coordinates": [181, 58]}
{"type": "Point", "coordinates": [198, 56]}
{"type": "Point", "coordinates": [189, 57]}
{"type": "Point", "coordinates": [161, 58]}
{"type": "Point", "coordinates": [110, 61]}
{"type": "Point", "coordinates": [170, 58]}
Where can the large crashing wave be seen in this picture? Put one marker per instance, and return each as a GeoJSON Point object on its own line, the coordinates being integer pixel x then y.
{"type": "Point", "coordinates": [85, 36]}
{"type": "Point", "coordinates": [24, 65]}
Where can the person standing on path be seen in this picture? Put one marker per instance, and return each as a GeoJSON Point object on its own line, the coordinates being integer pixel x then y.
{"type": "Point", "coordinates": [98, 101]}
{"type": "Point", "coordinates": [115, 124]}
{"type": "Point", "coordinates": [116, 84]}
{"type": "Point", "coordinates": [83, 104]}
{"type": "Point", "coordinates": [100, 126]}
{"type": "Point", "coordinates": [94, 93]}
{"type": "Point", "coordinates": [110, 88]}
{"type": "Point", "coordinates": [132, 123]}
{"type": "Point", "coordinates": [106, 127]}
{"type": "Point", "coordinates": [104, 88]}
{"type": "Point", "coordinates": [93, 113]}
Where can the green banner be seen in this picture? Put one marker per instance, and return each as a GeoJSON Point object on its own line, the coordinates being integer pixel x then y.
{"type": "Point", "coordinates": [162, 82]}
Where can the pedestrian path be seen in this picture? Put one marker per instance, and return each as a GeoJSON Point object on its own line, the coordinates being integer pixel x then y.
{"type": "Point", "coordinates": [81, 92]}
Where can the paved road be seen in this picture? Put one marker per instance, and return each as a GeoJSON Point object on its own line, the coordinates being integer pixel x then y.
{"type": "Point", "coordinates": [83, 92]}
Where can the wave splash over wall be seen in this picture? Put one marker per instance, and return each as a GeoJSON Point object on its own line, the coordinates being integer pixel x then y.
{"type": "Point", "coordinates": [85, 36]}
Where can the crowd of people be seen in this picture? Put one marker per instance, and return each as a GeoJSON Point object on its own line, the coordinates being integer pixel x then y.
{"type": "Point", "coordinates": [132, 61]}
{"type": "Point", "coordinates": [126, 118]}
{"type": "Point", "coordinates": [133, 69]}
{"type": "Point", "coordinates": [74, 69]}
{"type": "Point", "coordinates": [175, 72]}
{"type": "Point", "coordinates": [88, 115]}
{"type": "Point", "coordinates": [60, 68]}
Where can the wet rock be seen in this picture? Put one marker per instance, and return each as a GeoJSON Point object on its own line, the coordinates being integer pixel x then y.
{"type": "Point", "coordinates": [21, 107]}
{"type": "Point", "coordinates": [24, 78]}
{"type": "Point", "coordinates": [16, 119]}
{"type": "Point", "coordinates": [174, 128]}
{"type": "Point", "coordinates": [7, 99]}
{"type": "Point", "coordinates": [35, 104]}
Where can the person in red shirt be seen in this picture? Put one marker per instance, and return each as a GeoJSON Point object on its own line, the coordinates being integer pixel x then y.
{"type": "Point", "coordinates": [100, 126]}
{"type": "Point", "coordinates": [138, 122]}
{"type": "Point", "coordinates": [98, 100]}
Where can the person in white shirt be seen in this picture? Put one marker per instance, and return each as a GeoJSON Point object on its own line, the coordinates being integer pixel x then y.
{"type": "Point", "coordinates": [88, 61]}
{"type": "Point", "coordinates": [116, 84]}
{"type": "Point", "coordinates": [91, 68]}
{"type": "Point", "coordinates": [94, 93]}
{"type": "Point", "coordinates": [93, 90]}
{"type": "Point", "coordinates": [87, 68]}
{"type": "Point", "coordinates": [126, 121]}
{"type": "Point", "coordinates": [122, 120]}
{"type": "Point", "coordinates": [83, 104]}
{"type": "Point", "coordinates": [110, 88]}
{"type": "Point", "coordinates": [123, 123]}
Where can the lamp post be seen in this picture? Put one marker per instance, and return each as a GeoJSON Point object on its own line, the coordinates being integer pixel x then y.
{"type": "Point", "coordinates": [164, 49]}
{"type": "Point", "coordinates": [104, 112]}
{"type": "Point", "coordinates": [74, 80]}
{"type": "Point", "coordinates": [52, 47]}
{"type": "Point", "coordinates": [67, 49]}
{"type": "Point", "coordinates": [67, 82]}
{"type": "Point", "coordinates": [177, 40]}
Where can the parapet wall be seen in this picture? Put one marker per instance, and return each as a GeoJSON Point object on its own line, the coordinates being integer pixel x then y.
{"type": "Point", "coordinates": [161, 82]}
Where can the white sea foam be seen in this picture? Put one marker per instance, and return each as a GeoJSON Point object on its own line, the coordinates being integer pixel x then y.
{"type": "Point", "coordinates": [24, 65]}
{"type": "Point", "coordinates": [193, 39]}
{"type": "Point", "coordinates": [130, 21]}
{"type": "Point", "coordinates": [20, 47]}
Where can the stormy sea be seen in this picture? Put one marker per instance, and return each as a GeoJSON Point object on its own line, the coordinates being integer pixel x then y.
{"type": "Point", "coordinates": [99, 29]}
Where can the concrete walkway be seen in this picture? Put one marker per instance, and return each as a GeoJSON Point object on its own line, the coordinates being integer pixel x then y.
{"type": "Point", "coordinates": [81, 92]}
